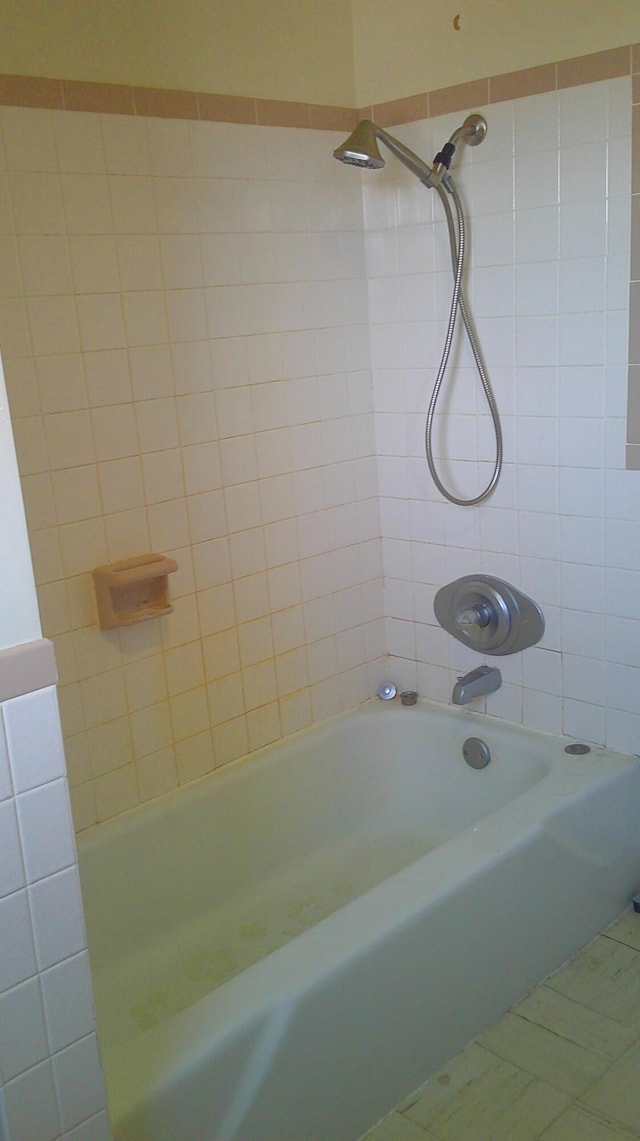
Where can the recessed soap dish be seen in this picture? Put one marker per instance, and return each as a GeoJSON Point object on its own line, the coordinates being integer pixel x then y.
{"type": "Point", "coordinates": [133, 590]}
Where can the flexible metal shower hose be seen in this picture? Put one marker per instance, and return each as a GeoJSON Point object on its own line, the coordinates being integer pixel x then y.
{"type": "Point", "coordinates": [457, 244]}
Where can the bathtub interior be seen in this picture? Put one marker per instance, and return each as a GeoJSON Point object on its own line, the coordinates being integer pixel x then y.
{"type": "Point", "coordinates": [523, 863]}
{"type": "Point", "coordinates": [185, 893]}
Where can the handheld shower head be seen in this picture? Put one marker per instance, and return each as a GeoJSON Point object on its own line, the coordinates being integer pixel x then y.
{"type": "Point", "coordinates": [361, 148]}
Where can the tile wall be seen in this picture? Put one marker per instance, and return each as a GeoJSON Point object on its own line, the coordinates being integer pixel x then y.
{"type": "Point", "coordinates": [187, 319]}
{"type": "Point", "coordinates": [548, 199]}
{"type": "Point", "coordinates": [52, 1083]}
{"type": "Point", "coordinates": [184, 329]}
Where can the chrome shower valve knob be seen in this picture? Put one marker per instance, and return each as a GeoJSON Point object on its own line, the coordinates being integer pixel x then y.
{"type": "Point", "coordinates": [489, 615]}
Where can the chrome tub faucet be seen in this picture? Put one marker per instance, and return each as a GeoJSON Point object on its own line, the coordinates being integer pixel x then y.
{"type": "Point", "coordinates": [477, 683]}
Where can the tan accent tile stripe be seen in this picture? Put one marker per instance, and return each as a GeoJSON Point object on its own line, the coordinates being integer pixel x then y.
{"type": "Point", "coordinates": [592, 68]}
{"type": "Point", "coordinates": [519, 84]}
{"type": "Point", "coordinates": [332, 118]}
{"type": "Point", "coordinates": [280, 113]}
{"type": "Point", "coordinates": [76, 95]}
{"type": "Point", "coordinates": [459, 98]}
{"type": "Point", "coordinates": [409, 110]}
{"type": "Point", "coordinates": [26, 668]}
{"type": "Point", "coordinates": [108, 98]}
{"type": "Point", "coordinates": [28, 91]}
{"type": "Point", "coordinates": [227, 108]}
{"type": "Point", "coordinates": [156, 102]}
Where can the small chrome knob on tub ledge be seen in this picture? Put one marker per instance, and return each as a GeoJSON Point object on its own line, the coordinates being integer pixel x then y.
{"type": "Point", "coordinates": [387, 691]}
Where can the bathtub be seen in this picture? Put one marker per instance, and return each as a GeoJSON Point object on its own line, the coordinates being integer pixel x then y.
{"type": "Point", "coordinates": [284, 949]}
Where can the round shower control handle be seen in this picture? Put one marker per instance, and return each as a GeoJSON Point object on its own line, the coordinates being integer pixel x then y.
{"type": "Point", "coordinates": [479, 616]}
{"type": "Point", "coordinates": [488, 614]}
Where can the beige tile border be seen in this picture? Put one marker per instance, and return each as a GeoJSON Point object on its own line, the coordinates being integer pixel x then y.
{"type": "Point", "coordinates": [77, 95]}
{"type": "Point", "coordinates": [26, 668]}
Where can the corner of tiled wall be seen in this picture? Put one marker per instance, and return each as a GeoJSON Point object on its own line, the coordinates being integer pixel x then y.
{"type": "Point", "coordinates": [548, 207]}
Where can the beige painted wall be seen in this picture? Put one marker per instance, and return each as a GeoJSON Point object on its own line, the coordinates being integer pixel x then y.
{"type": "Point", "coordinates": [410, 46]}
{"type": "Point", "coordinates": [341, 52]}
{"type": "Point", "coordinates": [271, 49]}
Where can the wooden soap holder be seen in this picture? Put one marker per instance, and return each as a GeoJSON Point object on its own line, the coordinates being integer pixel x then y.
{"type": "Point", "coordinates": [133, 590]}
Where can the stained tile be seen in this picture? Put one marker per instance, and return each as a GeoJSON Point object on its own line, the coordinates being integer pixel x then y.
{"type": "Point", "coordinates": [467, 1068]}
{"type": "Point", "coordinates": [606, 977]}
{"type": "Point", "coordinates": [505, 1104]}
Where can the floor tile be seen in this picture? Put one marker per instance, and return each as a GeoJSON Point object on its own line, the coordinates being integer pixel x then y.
{"type": "Point", "coordinates": [616, 1095]}
{"type": "Point", "coordinates": [577, 1124]}
{"type": "Point", "coordinates": [606, 977]}
{"type": "Point", "coordinates": [505, 1104]}
{"type": "Point", "coordinates": [562, 1065]}
{"type": "Point", "coordinates": [468, 1067]}
{"type": "Point", "coordinates": [557, 1040]}
{"type": "Point", "coordinates": [626, 929]}
{"type": "Point", "coordinates": [397, 1128]}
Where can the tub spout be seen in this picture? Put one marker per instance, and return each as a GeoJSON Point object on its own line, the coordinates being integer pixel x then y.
{"type": "Point", "coordinates": [483, 680]}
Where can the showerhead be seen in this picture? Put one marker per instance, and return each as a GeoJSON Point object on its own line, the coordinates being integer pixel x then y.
{"type": "Point", "coordinates": [361, 148]}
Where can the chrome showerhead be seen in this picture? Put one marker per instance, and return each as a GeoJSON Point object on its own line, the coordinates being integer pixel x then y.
{"type": "Point", "coordinates": [361, 148]}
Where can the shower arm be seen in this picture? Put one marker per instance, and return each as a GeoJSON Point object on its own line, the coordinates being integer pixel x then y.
{"type": "Point", "coordinates": [407, 157]}
{"type": "Point", "coordinates": [472, 132]}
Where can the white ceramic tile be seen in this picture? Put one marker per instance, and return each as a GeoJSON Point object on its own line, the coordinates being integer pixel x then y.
{"type": "Point", "coordinates": [6, 788]}
{"type": "Point", "coordinates": [584, 721]}
{"type": "Point", "coordinates": [108, 377]}
{"type": "Point", "coordinates": [86, 203]}
{"type": "Point", "coordinates": [31, 1105]}
{"type": "Point", "coordinates": [94, 263]}
{"type": "Point", "coordinates": [34, 740]}
{"type": "Point", "coordinates": [145, 318]}
{"type": "Point", "coordinates": [23, 1038]}
{"type": "Point", "coordinates": [13, 874]}
{"type": "Point", "coordinates": [68, 1001]}
{"type": "Point", "coordinates": [36, 201]}
{"type": "Point", "coordinates": [95, 1128]}
{"type": "Point", "coordinates": [46, 830]}
{"type": "Point", "coordinates": [116, 792]}
{"type": "Point", "coordinates": [17, 961]}
{"type": "Point", "coordinates": [101, 321]}
{"type": "Point", "coordinates": [56, 908]}
{"type": "Point", "coordinates": [79, 1082]}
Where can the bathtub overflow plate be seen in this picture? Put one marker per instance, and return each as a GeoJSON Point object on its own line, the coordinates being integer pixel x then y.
{"type": "Point", "coordinates": [476, 752]}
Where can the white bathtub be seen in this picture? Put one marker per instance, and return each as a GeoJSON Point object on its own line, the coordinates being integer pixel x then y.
{"type": "Point", "coordinates": [284, 949]}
